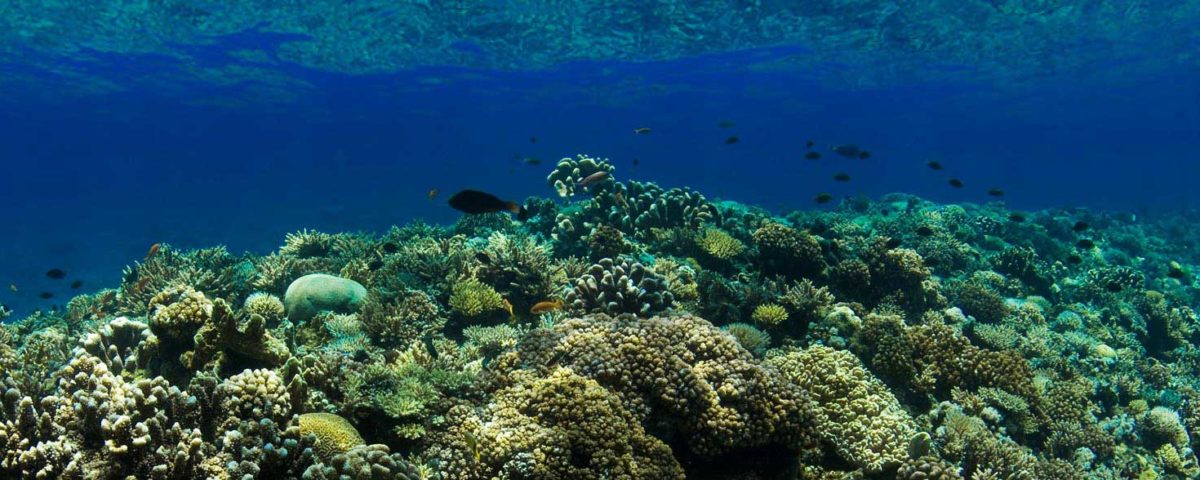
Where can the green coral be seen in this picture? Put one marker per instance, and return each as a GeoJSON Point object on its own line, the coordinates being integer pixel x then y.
{"type": "Point", "coordinates": [472, 298]}
{"type": "Point", "coordinates": [750, 338]}
{"type": "Point", "coordinates": [769, 315]}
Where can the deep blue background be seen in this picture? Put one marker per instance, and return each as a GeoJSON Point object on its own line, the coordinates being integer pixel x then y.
{"type": "Point", "coordinates": [88, 184]}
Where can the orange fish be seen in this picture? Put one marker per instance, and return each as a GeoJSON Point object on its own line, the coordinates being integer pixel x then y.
{"type": "Point", "coordinates": [432, 193]}
{"type": "Point", "coordinates": [508, 307]}
{"type": "Point", "coordinates": [546, 306]}
{"type": "Point", "coordinates": [153, 251]}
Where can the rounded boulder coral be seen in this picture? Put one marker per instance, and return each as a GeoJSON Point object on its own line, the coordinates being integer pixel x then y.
{"type": "Point", "coordinates": [334, 434]}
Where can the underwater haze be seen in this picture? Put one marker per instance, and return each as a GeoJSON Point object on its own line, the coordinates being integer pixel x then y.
{"type": "Point", "coordinates": [746, 239]}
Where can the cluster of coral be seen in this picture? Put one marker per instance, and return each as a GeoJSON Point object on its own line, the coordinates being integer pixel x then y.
{"type": "Point", "coordinates": [635, 332]}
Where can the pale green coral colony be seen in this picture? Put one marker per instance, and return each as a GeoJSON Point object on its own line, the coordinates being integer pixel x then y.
{"type": "Point", "coordinates": [674, 337]}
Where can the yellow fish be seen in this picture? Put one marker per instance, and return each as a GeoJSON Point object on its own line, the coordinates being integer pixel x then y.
{"type": "Point", "coordinates": [546, 306]}
{"type": "Point", "coordinates": [508, 307]}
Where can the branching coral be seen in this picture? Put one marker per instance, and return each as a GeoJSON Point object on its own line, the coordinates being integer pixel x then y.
{"type": "Point", "coordinates": [569, 172]}
{"type": "Point", "coordinates": [620, 288]}
{"type": "Point", "coordinates": [519, 267]}
{"type": "Point", "coordinates": [786, 251]}
{"type": "Point", "coordinates": [213, 271]}
{"type": "Point", "coordinates": [474, 299]}
{"type": "Point", "coordinates": [720, 245]}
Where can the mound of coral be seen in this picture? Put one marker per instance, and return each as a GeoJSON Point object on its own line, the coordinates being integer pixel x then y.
{"type": "Point", "coordinates": [631, 331]}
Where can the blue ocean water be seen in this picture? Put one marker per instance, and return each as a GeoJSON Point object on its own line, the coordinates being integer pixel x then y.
{"type": "Point", "coordinates": [205, 124]}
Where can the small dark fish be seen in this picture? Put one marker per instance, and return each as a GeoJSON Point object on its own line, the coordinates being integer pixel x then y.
{"type": "Point", "coordinates": [46, 295]}
{"type": "Point", "coordinates": [823, 198]}
{"type": "Point", "coordinates": [593, 178]}
{"type": "Point", "coordinates": [725, 124]}
{"type": "Point", "coordinates": [532, 161]}
{"type": "Point", "coordinates": [934, 165]}
{"type": "Point", "coordinates": [812, 155]}
{"type": "Point", "coordinates": [732, 140]}
{"type": "Point", "coordinates": [995, 192]}
{"type": "Point", "coordinates": [76, 284]}
{"type": "Point", "coordinates": [475, 202]}
{"type": "Point", "coordinates": [1080, 226]}
{"type": "Point", "coordinates": [375, 265]}
{"type": "Point", "coordinates": [847, 150]}
{"type": "Point", "coordinates": [809, 144]}
{"type": "Point", "coordinates": [152, 252]}
{"type": "Point", "coordinates": [636, 162]}
{"type": "Point", "coordinates": [841, 177]}
{"type": "Point", "coordinates": [56, 273]}
{"type": "Point", "coordinates": [390, 248]}
{"type": "Point", "coordinates": [1016, 217]}
{"type": "Point", "coordinates": [863, 155]}
{"type": "Point", "coordinates": [956, 183]}
{"type": "Point", "coordinates": [1074, 259]}
{"type": "Point", "coordinates": [642, 130]}
{"type": "Point", "coordinates": [892, 243]}
{"type": "Point", "coordinates": [1175, 270]}
{"type": "Point", "coordinates": [1085, 244]}
{"type": "Point", "coordinates": [483, 258]}
{"type": "Point", "coordinates": [924, 231]}
{"type": "Point", "coordinates": [532, 139]}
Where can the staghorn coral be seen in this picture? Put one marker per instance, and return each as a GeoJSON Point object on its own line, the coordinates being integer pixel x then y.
{"type": "Point", "coordinates": [769, 315]}
{"type": "Point", "coordinates": [681, 376]}
{"type": "Point", "coordinates": [307, 244]}
{"type": "Point", "coordinates": [570, 171]}
{"type": "Point", "coordinates": [719, 245]}
{"type": "Point", "coordinates": [520, 269]}
{"type": "Point", "coordinates": [213, 271]}
{"type": "Point", "coordinates": [474, 299]}
{"type": "Point", "coordinates": [620, 288]}
{"type": "Point", "coordinates": [854, 411]}
{"type": "Point", "coordinates": [557, 425]}
{"type": "Point", "coordinates": [399, 321]}
{"type": "Point", "coordinates": [265, 305]}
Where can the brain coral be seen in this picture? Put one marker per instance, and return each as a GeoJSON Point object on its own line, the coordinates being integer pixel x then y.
{"type": "Point", "coordinates": [682, 376]}
{"type": "Point", "coordinates": [617, 288]}
{"type": "Point", "coordinates": [334, 434]}
{"type": "Point", "coordinates": [560, 425]}
{"type": "Point", "coordinates": [855, 412]}
{"type": "Point", "coordinates": [317, 292]}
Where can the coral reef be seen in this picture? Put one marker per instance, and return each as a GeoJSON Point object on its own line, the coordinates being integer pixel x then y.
{"type": "Point", "coordinates": [894, 338]}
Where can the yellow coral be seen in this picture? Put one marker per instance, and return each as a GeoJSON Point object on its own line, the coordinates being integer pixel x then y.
{"type": "Point", "coordinates": [265, 305]}
{"type": "Point", "coordinates": [472, 298]}
{"type": "Point", "coordinates": [719, 244]}
{"type": "Point", "coordinates": [334, 434]}
{"type": "Point", "coordinates": [769, 314]}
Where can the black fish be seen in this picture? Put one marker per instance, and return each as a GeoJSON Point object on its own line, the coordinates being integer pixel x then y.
{"type": "Point", "coordinates": [636, 162]}
{"type": "Point", "coordinates": [934, 165]}
{"type": "Point", "coordinates": [56, 273]}
{"type": "Point", "coordinates": [812, 155]}
{"type": "Point", "coordinates": [390, 247]}
{"type": "Point", "coordinates": [725, 124]}
{"type": "Point", "coordinates": [809, 144]}
{"type": "Point", "coordinates": [1080, 226]}
{"type": "Point", "coordinates": [823, 198]}
{"type": "Point", "coordinates": [848, 150]}
{"type": "Point", "coordinates": [483, 258]}
{"type": "Point", "coordinates": [863, 155]}
{"type": "Point", "coordinates": [956, 183]}
{"type": "Point", "coordinates": [1085, 244]}
{"type": "Point", "coordinates": [375, 265]}
{"type": "Point", "coordinates": [531, 161]}
{"type": "Point", "coordinates": [995, 192]}
{"type": "Point", "coordinates": [841, 177]}
{"type": "Point", "coordinates": [892, 243]}
{"type": "Point", "coordinates": [476, 202]}
{"type": "Point", "coordinates": [1114, 287]}
{"type": "Point", "coordinates": [532, 139]}
{"type": "Point", "coordinates": [924, 231]}
{"type": "Point", "coordinates": [1074, 259]}
{"type": "Point", "coordinates": [1016, 217]}
{"type": "Point", "coordinates": [76, 284]}
{"type": "Point", "coordinates": [732, 140]}
{"type": "Point", "coordinates": [46, 295]}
